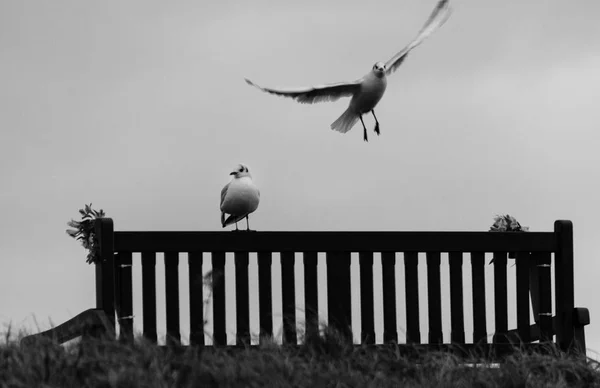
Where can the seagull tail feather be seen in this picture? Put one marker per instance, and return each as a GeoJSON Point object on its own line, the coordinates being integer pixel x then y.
{"type": "Point", "coordinates": [345, 122]}
{"type": "Point", "coordinates": [231, 219]}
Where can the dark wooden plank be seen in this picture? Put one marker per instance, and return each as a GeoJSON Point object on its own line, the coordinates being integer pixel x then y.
{"type": "Point", "coordinates": [311, 296]}
{"type": "Point", "coordinates": [196, 280]}
{"type": "Point", "coordinates": [564, 285]}
{"type": "Point", "coordinates": [523, 321]}
{"type": "Point", "coordinates": [288, 298]}
{"type": "Point", "coordinates": [335, 241]}
{"type": "Point", "coordinates": [105, 271]}
{"type": "Point", "coordinates": [457, 316]}
{"type": "Point", "coordinates": [479, 311]}
{"type": "Point", "coordinates": [500, 297]}
{"type": "Point", "coordinates": [117, 274]}
{"type": "Point", "coordinates": [388, 269]}
{"type": "Point", "coordinates": [149, 295]}
{"type": "Point", "coordinates": [581, 318]}
{"type": "Point", "coordinates": [242, 299]}
{"type": "Point", "coordinates": [172, 297]}
{"type": "Point", "coordinates": [125, 315]}
{"type": "Point", "coordinates": [434, 298]}
{"type": "Point", "coordinates": [218, 293]}
{"type": "Point", "coordinates": [367, 315]}
{"type": "Point", "coordinates": [534, 286]}
{"type": "Point", "coordinates": [411, 275]}
{"type": "Point", "coordinates": [265, 300]}
{"type": "Point", "coordinates": [545, 293]}
{"type": "Point", "coordinates": [339, 303]}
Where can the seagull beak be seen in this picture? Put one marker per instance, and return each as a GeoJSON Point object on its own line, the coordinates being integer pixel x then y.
{"type": "Point", "coordinates": [232, 173]}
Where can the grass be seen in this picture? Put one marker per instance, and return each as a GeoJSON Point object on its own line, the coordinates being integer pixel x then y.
{"type": "Point", "coordinates": [324, 361]}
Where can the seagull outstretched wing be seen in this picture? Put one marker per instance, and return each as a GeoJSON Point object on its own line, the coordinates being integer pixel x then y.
{"type": "Point", "coordinates": [438, 17]}
{"type": "Point", "coordinates": [319, 93]}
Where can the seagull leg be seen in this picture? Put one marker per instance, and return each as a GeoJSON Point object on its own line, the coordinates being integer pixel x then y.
{"type": "Point", "coordinates": [376, 123]}
{"type": "Point", "coordinates": [236, 228]}
{"type": "Point", "coordinates": [365, 128]}
{"type": "Point", "coordinates": [247, 223]}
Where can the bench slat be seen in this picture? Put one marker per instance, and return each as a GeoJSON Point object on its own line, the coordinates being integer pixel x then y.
{"type": "Point", "coordinates": [288, 298]}
{"type": "Point", "coordinates": [367, 316]}
{"type": "Point", "coordinates": [434, 298]}
{"type": "Point", "coordinates": [242, 299]}
{"type": "Point", "coordinates": [265, 300]}
{"type": "Point", "coordinates": [218, 286]}
{"type": "Point", "coordinates": [149, 295]}
{"type": "Point", "coordinates": [125, 310]}
{"type": "Point", "coordinates": [457, 317]}
{"type": "Point", "coordinates": [339, 303]}
{"type": "Point", "coordinates": [545, 295]}
{"type": "Point", "coordinates": [196, 281]}
{"type": "Point", "coordinates": [479, 311]}
{"type": "Point", "coordinates": [500, 298]}
{"type": "Point", "coordinates": [388, 269]}
{"type": "Point", "coordinates": [411, 284]}
{"type": "Point", "coordinates": [172, 296]}
{"type": "Point", "coordinates": [311, 295]}
{"type": "Point", "coordinates": [523, 296]}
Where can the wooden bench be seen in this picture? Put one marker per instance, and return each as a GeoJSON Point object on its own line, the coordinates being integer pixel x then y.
{"type": "Point", "coordinates": [534, 252]}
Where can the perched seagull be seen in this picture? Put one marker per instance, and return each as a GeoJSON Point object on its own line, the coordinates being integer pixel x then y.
{"type": "Point", "coordinates": [367, 91]}
{"type": "Point", "coordinates": [239, 197]}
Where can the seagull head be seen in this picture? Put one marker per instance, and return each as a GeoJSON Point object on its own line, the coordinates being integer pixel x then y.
{"type": "Point", "coordinates": [379, 69]}
{"type": "Point", "coordinates": [240, 171]}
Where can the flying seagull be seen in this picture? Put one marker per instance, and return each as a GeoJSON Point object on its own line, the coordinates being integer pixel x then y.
{"type": "Point", "coordinates": [367, 91]}
{"type": "Point", "coordinates": [239, 198]}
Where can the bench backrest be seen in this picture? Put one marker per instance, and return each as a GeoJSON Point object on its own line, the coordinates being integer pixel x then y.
{"type": "Point", "coordinates": [535, 253]}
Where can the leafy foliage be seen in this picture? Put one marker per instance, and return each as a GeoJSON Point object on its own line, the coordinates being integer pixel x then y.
{"type": "Point", "coordinates": [84, 231]}
{"type": "Point", "coordinates": [507, 223]}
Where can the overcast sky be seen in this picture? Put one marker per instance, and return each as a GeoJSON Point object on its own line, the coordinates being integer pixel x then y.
{"type": "Point", "coordinates": [141, 108]}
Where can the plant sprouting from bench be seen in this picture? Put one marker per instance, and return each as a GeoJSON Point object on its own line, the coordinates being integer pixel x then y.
{"type": "Point", "coordinates": [84, 231]}
{"type": "Point", "coordinates": [507, 223]}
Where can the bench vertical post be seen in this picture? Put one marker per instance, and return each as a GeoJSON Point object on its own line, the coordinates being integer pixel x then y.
{"type": "Point", "coordinates": [171, 260]}
{"type": "Point", "coordinates": [196, 282]}
{"type": "Point", "coordinates": [500, 298]}
{"type": "Point", "coordinates": [411, 286]}
{"type": "Point", "coordinates": [218, 290]}
{"type": "Point", "coordinates": [149, 295]}
{"type": "Point", "coordinates": [105, 270]}
{"type": "Point", "coordinates": [457, 318]}
{"type": "Point", "coordinates": [544, 283]}
{"type": "Point", "coordinates": [288, 297]}
{"type": "Point", "coordinates": [242, 299]}
{"type": "Point", "coordinates": [523, 268]}
{"type": "Point", "coordinates": [311, 295]}
{"type": "Point", "coordinates": [339, 302]}
{"type": "Point", "coordinates": [478, 291]}
{"type": "Point", "coordinates": [388, 269]}
{"type": "Point", "coordinates": [125, 297]}
{"type": "Point", "coordinates": [367, 316]}
{"type": "Point", "coordinates": [564, 287]}
{"type": "Point", "coordinates": [265, 300]}
{"type": "Point", "coordinates": [434, 298]}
